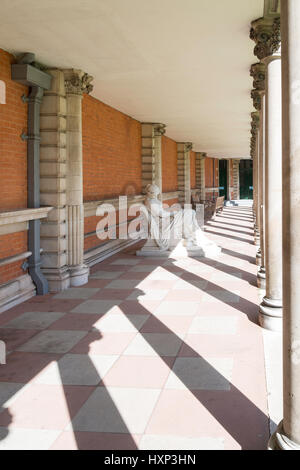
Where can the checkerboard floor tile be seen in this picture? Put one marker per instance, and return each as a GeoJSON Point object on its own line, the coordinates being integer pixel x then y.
{"type": "Point", "coordinates": [150, 354]}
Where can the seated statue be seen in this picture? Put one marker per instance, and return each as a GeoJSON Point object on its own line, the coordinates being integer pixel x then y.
{"type": "Point", "coordinates": [168, 228]}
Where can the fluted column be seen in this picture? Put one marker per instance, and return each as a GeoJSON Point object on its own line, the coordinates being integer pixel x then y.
{"type": "Point", "coordinates": [254, 155]}
{"type": "Point", "coordinates": [76, 83]}
{"type": "Point", "coordinates": [287, 436]}
{"type": "Point", "coordinates": [184, 172]}
{"type": "Point", "coordinates": [200, 173]}
{"type": "Point", "coordinates": [151, 154]}
{"type": "Point", "coordinates": [236, 179]}
{"type": "Point", "coordinates": [266, 33]}
{"type": "Point", "coordinates": [271, 307]}
{"type": "Point", "coordinates": [260, 257]}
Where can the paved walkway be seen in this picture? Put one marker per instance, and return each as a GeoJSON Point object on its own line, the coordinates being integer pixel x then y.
{"type": "Point", "coordinates": [150, 354]}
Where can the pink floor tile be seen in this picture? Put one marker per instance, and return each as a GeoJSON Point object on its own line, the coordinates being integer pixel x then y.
{"type": "Point", "coordinates": [133, 275]}
{"type": "Point", "coordinates": [182, 295]}
{"type": "Point", "coordinates": [14, 338]}
{"type": "Point", "coordinates": [11, 314]}
{"type": "Point", "coordinates": [103, 343]}
{"type": "Point", "coordinates": [22, 367]}
{"type": "Point", "coordinates": [113, 294]}
{"type": "Point", "coordinates": [34, 408]}
{"type": "Point", "coordinates": [139, 372]}
{"type": "Point", "coordinates": [143, 307]}
{"type": "Point", "coordinates": [167, 324]}
{"type": "Point", "coordinates": [72, 321]}
{"type": "Point", "coordinates": [69, 440]}
{"type": "Point", "coordinates": [238, 417]}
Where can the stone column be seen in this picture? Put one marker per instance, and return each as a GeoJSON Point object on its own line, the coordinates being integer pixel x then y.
{"type": "Point", "coordinates": [76, 83]}
{"type": "Point", "coordinates": [287, 436]}
{"type": "Point", "coordinates": [236, 179]}
{"type": "Point", "coordinates": [200, 173]}
{"type": "Point", "coordinates": [184, 172]}
{"type": "Point", "coordinates": [53, 173]}
{"type": "Point", "coordinates": [254, 155]}
{"type": "Point", "coordinates": [260, 257]}
{"type": "Point", "coordinates": [151, 154]}
{"type": "Point", "coordinates": [266, 33]}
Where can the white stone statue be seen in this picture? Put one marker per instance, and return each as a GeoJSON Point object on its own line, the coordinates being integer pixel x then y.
{"type": "Point", "coordinates": [175, 231]}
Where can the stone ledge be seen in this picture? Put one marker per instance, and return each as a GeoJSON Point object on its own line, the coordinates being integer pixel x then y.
{"type": "Point", "coordinates": [16, 291]}
{"type": "Point", "coordinates": [23, 215]}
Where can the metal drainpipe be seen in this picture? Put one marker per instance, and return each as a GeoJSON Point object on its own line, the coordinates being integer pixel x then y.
{"type": "Point", "coordinates": [26, 73]}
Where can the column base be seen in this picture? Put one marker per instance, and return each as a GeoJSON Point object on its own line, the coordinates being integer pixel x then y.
{"type": "Point", "coordinates": [79, 275]}
{"type": "Point", "coordinates": [270, 314]}
{"type": "Point", "coordinates": [279, 441]}
{"type": "Point", "coordinates": [58, 278]}
{"type": "Point", "coordinates": [258, 257]}
{"type": "Point", "coordinates": [261, 278]}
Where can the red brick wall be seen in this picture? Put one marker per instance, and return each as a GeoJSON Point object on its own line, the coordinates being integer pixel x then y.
{"type": "Point", "coordinates": [211, 177]}
{"type": "Point", "coordinates": [13, 165]}
{"type": "Point", "coordinates": [10, 245]}
{"type": "Point", "coordinates": [13, 151]}
{"type": "Point", "coordinates": [169, 164]}
{"type": "Point", "coordinates": [111, 151]}
{"type": "Point", "coordinates": [193, 169]}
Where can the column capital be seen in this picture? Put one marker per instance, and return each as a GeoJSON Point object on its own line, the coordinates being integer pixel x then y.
{"type": "Point", "coordinates": [265, 32]}
{"type": "Point", "coordinates": [201, 155]}
{"type": "Point", "coordinates": [258, 73]}
{"type": "Point", "coordinates": [159, 129]}
{"type": "Point", "coordinates": [254, 128]}
{"type": "Point", "coordinates": [256, 98]}
{"type": "Point", "coordinates": [185, 146]}
{"type": "Point", "coordinates": [77, 82]}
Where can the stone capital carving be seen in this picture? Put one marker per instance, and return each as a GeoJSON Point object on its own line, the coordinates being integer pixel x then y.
{"type": "Point", "coordinates": [265, 32]}
{"type": "Point", "coordinates": [159, 129]}
{"type": "Point", "coordinates": [256, 97]}
{"type": "Point", "coordinates": [188, 146]}
{"type": "Point", "coordinates": [254, 128]}
{"type": "Point", "coordinates": [78, 82]}
{"type": "Point", "coordinates": [201, 155]}
{"type": "Point", "coordinates": [258, 73]}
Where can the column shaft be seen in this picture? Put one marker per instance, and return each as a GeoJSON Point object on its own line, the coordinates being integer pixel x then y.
{"type": "Point", "coordinates": [271, 308]}
{"type": "Point", "coordinates": [287, 436]}
{"type": "Point", "coordinates": [184, 172]}
{"type": "Point", "coordinates": [261, 275]}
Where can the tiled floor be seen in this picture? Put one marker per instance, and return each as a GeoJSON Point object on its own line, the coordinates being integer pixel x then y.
{"type": "Point", "coordinates": [152, 353]}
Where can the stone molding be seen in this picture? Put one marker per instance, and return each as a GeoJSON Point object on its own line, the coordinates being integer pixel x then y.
{"type": "Point", "coordinates": [265, 32]}
{"type": "Point", "coordinates": [23, 215]}
{"type": "Point", "coordinates": [17, 221]}
{"type": "Point", "coordinates": [16, 291]}
{"type": "Point", "coordinates": [78, 82]}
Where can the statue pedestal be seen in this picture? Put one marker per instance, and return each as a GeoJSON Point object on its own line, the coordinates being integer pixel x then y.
{"type": "Point", "coordinates": [209, 250]}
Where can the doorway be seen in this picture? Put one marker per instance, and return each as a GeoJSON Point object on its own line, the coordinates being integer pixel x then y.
{"type": "Point", "coordinates": [223, 178]}
{"type": "Point", "coordinates": [246, 179]}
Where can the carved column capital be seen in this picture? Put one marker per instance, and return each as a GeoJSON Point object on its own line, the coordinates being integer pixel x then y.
{"type": "Point", "coordinates": [256, 97]}
{"type": "Point", "coordinates": [258, 73]}
{"type": "Point", "coordinates": [77, 82]}
{"type": "Point", "coordinates": [254, 128]}
{"type": "Point", "coordinates": [159, 129]}
{"type": "Point", "coordinates": [188, 146]}
{"type": "Point", "coordinates": [265, 32]}
{"type": "Point", "coordinates": [201, 155]}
